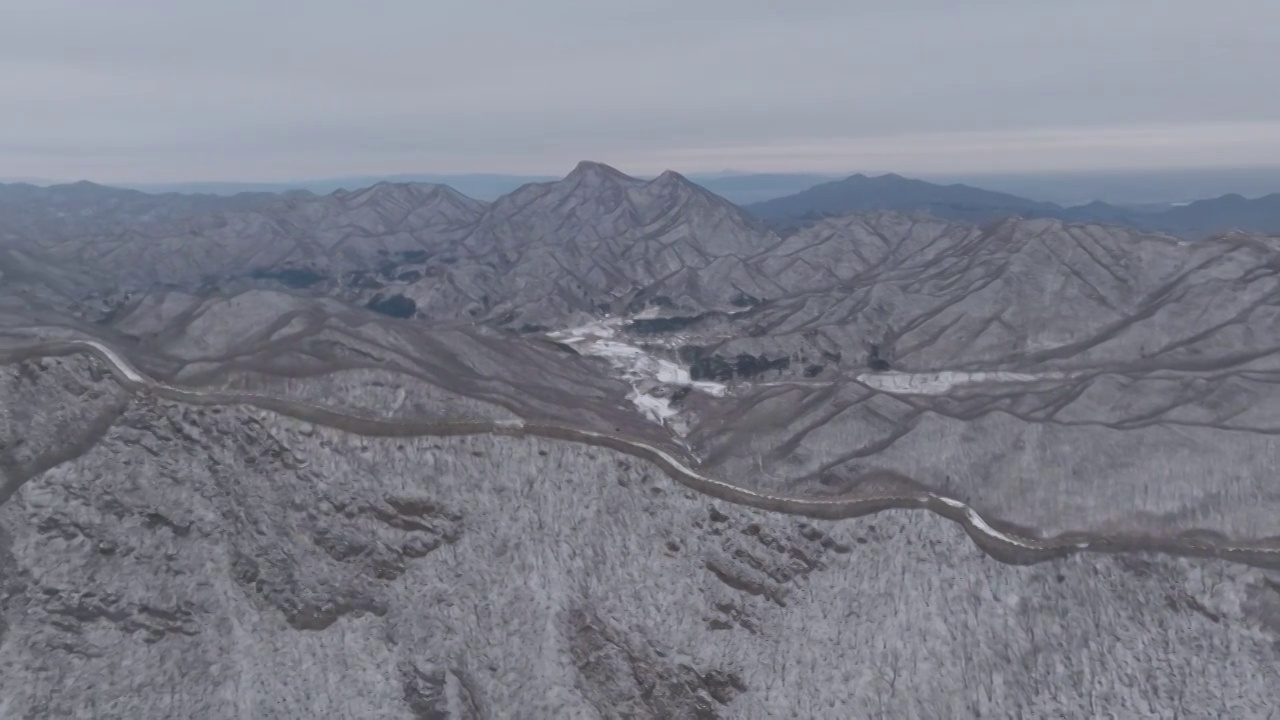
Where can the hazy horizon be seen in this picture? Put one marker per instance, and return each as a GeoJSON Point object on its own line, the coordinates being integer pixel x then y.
{"type": "Point", "coordinates": [1121, 187]}
{"type": "Point", "coordinates": [560, 172]}
{"type": "Point", "coordinates": [142, 91]}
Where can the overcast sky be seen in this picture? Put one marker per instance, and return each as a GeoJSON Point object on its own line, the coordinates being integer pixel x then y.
{"type": "Point", "coordinates": [168, 90]}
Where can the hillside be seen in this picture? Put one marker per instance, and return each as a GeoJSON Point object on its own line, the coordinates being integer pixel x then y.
{"type": "Point", "coordinates": [609, 445]}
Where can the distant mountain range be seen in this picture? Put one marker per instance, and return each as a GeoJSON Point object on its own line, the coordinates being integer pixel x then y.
{"type": "Point", "coordinates": [1208, 216]}
{"type": "Point", "coordinates": [1123, 187]}
{"type": "Point", "coordinates": [786, 202]}
{"type": "Point", "coordinates": [736, 187]}
{"type": "Point", "coordinates": [482, 186]}
{"type": "Point", "coordinates": [1126, 188]}
{"type": "Point", "coordinates": [860, 193]}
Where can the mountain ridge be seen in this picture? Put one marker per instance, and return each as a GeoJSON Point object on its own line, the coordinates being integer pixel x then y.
{"type": "Point", "coordinates": [362, 404]}
{"type": "Point", "coordinates": [957, 201]}
{"type": "Point", "coordinates": [855, 193]}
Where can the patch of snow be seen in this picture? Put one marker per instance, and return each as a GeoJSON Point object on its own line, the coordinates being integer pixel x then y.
{"type": "Point", "coordinates": [637, 367]}
{"type": "Point", "coordinates": [655, 408]}
{"type": "Point", "coordinates": [605, 328]}
{"type": "Point", "coordinates": [977, 521]}
{"type": "Point", "coordinates": [950, 502]}
{"type": "Point", "coordinates": [399, 401]}
{"type": "Point", "coordinates": [938, 383]}
{"type": "Point", "coordinates": [648, 314]}
{"type": "Point", "coordinates": [124, 366]}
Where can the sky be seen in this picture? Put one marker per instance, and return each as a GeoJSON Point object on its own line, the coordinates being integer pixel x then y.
{"type": "Point", "coordinates": [272, 90]}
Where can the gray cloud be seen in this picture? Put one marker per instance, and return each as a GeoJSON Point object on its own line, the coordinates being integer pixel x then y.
{"type": "Point", "coordinates": [144, 90]}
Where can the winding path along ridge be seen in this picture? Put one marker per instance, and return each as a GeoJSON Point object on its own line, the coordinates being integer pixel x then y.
{"type": "Point", "coordinates": [1003, 546]}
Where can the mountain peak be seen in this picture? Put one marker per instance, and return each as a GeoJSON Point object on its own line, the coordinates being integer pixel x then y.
{"type": "Point", "coordinates": [409, 195]}
{"type": "Point", "coordinates": [85, 186]}
{"type": "Point", "coordinates": [860, 193]}
{"type": "Point", "coordinates": [674, 179]}
{"type": "Point", "coordinates": [673, 182]}
{"type": "Point", "coordinates": [1233, 198]}
{"type": "Point", "coordinates": [590, 170]}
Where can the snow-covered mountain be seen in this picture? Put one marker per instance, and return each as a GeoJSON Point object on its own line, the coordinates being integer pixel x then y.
{"type": "Point", "coordinates": [608, 447]}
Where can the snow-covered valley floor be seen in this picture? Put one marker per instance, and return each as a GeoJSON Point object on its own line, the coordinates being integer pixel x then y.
{"type": "Point", "coordinates": [653, 379]}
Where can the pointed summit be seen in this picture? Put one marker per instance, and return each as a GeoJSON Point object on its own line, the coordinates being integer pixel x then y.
{"type": "Point", "coordinates": [673, 182]}
{"type": "Point", "coordinates": [588, 170]}
{"type": "Point", "coordinates": [672, 177]}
